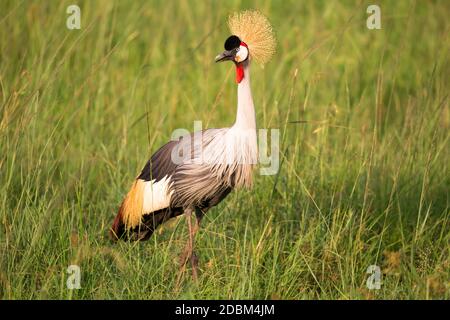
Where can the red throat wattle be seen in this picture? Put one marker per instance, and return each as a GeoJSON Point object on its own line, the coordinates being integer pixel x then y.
{"type": "Point", "coordinates": [239, 73]}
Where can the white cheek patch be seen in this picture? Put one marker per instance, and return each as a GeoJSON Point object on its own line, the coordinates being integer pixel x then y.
{"type": "Point", "coordinates": [242, 54]}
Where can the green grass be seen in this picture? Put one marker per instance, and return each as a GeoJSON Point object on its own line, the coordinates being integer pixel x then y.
{"type": "Point", "coordinates": [364, 182]}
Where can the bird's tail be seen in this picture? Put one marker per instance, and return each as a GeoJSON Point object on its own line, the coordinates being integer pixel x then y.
{"type": "Point", "coordinates": [131, 223]}
{"type": "Point", "coordinates": [130, 212]}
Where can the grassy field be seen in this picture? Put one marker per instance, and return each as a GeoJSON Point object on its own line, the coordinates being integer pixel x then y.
{"type": "Point", "coordinates": [364, 181]}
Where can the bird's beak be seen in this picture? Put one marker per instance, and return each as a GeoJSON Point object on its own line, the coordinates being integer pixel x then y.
{"type": "Point", "coordinates": [224, 56]}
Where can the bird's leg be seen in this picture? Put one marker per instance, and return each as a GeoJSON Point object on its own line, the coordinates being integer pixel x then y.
{"type": "Point", "coordinates": [194, 258]}
{"type": "Point", "coordinates": [187, 252]}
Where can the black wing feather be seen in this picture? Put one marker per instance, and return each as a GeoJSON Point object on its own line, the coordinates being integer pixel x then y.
{"type": "Point", "coordinates": [160, 164]}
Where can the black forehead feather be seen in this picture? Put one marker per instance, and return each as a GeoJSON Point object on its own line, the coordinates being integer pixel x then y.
{"type": "Point", "coordinates": [232, 42]}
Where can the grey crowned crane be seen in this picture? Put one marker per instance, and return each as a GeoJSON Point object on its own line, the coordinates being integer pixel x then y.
{"type": "Point", "coordinates": [199, 170]}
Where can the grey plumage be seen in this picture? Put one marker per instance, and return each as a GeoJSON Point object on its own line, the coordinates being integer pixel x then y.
{"type": "Point", "coordinates": [206, 171]}
{"type": "Point", "coordinates": [199, 178]}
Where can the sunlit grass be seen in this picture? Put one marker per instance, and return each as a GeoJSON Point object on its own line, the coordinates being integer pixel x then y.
{"type": "Point", "coordinates": [364, 177]}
